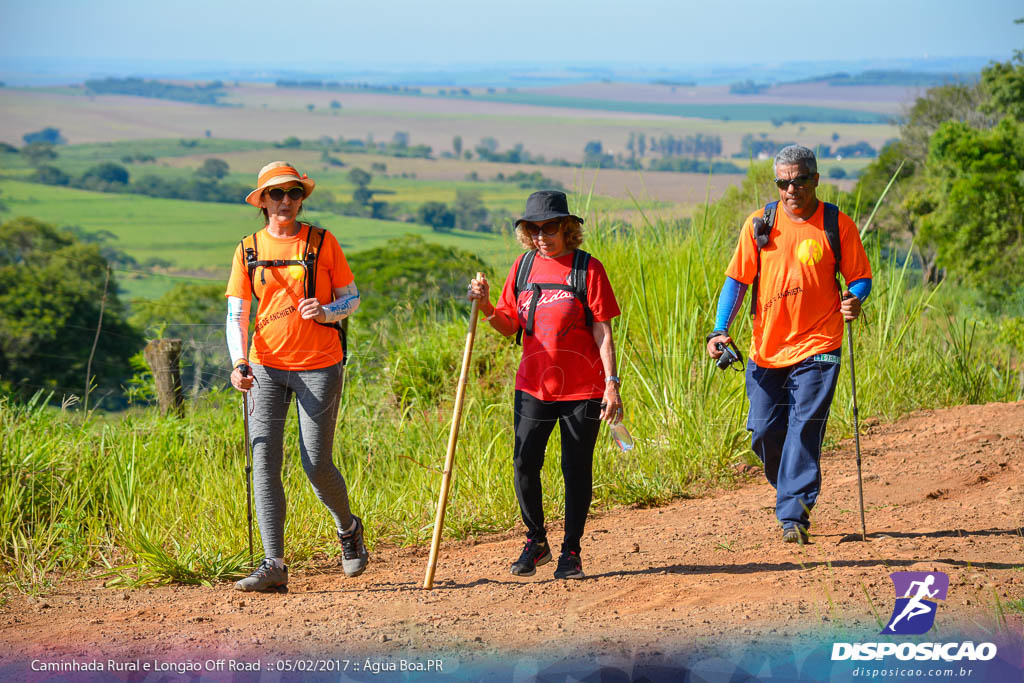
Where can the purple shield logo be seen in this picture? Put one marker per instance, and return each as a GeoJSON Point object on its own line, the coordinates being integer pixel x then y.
{"type": "Point", "coordinates": [916, 596]}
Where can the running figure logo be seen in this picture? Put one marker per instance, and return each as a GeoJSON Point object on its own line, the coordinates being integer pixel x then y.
{"type": "Point", "coordinates": [914, 612]}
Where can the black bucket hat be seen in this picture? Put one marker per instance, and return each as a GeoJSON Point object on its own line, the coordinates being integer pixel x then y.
{"type": "Point", "coordinates": [544, 205]}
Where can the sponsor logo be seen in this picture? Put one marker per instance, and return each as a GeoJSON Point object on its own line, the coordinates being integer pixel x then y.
{"type": "Point", "coordinates": [832, 358]}
{"type": "Point", "coordinates": [920, 652]}
{"type": "Point", "coordinates": [916, 595]}
{"type": "Point", "coordinates": [914, 614]}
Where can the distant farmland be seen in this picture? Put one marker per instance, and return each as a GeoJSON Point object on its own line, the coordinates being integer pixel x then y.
{"type": "Point", "coordinates": [269, 113]}
{"type": "Point", "coordinates": [200, 237]}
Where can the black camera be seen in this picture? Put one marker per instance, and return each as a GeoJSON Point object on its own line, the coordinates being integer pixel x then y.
{"type": "Point", "coordinates": [729, 356]}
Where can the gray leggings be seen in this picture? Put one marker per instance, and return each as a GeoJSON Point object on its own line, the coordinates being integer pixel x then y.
{"type": "Point", "coordinates": [316, 393]}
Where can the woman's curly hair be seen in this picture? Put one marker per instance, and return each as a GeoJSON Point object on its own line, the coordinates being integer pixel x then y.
{"type": "Point", "coordinates": [572, 230]}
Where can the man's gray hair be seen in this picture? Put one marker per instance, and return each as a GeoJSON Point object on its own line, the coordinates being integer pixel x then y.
{"type": "Point", "coordinates": [797, 154]}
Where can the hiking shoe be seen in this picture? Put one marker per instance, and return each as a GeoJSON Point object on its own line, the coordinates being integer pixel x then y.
{"type": "Point", "coordinates": [795, 534]}
{"type": "Point", "coordinates": [569, 566]}
{"type": "Point", "coordinates": [267, 577]}
{"type": "Point", "coordinates": [535, 553]}
{"type": "Point", "coordinates": [353, 551]}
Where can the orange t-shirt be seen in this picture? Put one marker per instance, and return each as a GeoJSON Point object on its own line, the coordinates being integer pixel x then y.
{"type": "Point", "coordinates": [284, 339]}
{"type": "Point", "coordinates": [798, 302]}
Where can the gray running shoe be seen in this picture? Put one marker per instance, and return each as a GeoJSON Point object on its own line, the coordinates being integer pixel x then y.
{"type": "Point", "coordinates": [267, 577]}
{"type": "Point", "coordinates": [795, 534]}
{"type": "Point", "coordinates": [353, 551]}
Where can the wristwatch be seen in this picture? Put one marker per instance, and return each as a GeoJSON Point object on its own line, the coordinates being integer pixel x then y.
{"type": "Point", "coordinates": [613, 378]}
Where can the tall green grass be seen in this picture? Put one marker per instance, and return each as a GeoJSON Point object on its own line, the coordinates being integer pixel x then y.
{"type": "Point", "coordinates": [150, 499]}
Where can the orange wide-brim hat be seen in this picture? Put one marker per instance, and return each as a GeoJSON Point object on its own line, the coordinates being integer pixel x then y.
{"type": "Point", "coordinates": [278, 173]}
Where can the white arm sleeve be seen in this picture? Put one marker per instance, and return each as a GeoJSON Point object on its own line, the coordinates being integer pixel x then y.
{"type": "Point", "coordinates": [344, 305]}
{"type": "Point", "coordinates": [237, 328]}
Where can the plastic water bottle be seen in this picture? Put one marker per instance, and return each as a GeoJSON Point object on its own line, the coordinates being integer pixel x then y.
{"type": "Point", "coordinates": [623, 439]}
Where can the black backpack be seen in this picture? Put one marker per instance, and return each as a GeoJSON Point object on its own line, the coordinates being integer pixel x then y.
{"type": "Point", "coordinates": [309, 261]}
{"type": "Point", "coordinates": [577, 280]}
{"type": "Point", "coordinates": [763, 229]}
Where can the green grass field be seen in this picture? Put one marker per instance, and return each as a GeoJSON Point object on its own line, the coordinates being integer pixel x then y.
{"type": "Point", "coordinates": [197, 237]}
{"type": "Point", "coordinates": [88, 493]}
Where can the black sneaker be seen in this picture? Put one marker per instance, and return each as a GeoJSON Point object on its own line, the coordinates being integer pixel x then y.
{"type": "Point", "coordinates": [569, 566]}
{"type": "Point", "coordinates": [795, 534]}
{"type": "Point", "coordinates": [535, 553]}
{"type": "Point", "coordinates": [266, 578]}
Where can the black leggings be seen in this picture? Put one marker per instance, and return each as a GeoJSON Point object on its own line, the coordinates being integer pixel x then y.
{"type": "Point", "coordinates": [579, 423]}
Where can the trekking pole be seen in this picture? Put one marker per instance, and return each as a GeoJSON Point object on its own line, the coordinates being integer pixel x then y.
{"type": "Point", "coordinates": [453, 436]}
{"type": "Point", "coordinates": [856, 434]}
{"type": "Point", "coordinates": [244, 369]}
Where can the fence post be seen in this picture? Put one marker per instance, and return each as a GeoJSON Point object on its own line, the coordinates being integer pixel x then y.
{"type": "Point", "coordinates": [163, 357]}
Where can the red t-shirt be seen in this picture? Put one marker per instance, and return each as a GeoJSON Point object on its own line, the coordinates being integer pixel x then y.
{"type": "Point", "coordinates": [561, 361]}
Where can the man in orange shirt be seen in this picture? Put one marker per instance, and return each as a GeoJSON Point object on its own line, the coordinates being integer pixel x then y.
{"type": "Point", "coordinates": [786, 252]}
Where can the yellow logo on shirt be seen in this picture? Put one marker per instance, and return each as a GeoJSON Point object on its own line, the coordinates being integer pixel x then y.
{"type": "Point", "coordinates": [809, 252]}
{"type": "Point", "coordinates": [297, 272]}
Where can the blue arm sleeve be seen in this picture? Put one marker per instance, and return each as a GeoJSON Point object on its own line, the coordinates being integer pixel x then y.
{"type": "Point", "coordinates": [860, 288]}
{"type": "Point", "coordinates": [730, 300]}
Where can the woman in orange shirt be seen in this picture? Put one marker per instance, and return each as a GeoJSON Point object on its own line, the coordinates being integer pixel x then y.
{"type": "Point", "coordinates": [291, 268]}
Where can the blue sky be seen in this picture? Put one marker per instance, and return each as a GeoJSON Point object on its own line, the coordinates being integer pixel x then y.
{"type": "Point", "coordinates": [324, 33]}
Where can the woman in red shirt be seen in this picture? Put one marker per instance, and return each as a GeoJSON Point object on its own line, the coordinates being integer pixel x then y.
{"type": "Point", "coordinates": [561, 303]}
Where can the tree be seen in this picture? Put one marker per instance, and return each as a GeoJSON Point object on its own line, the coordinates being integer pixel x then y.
{"type": "Point", "coordinates": [105, 177]}
{"type": "Point", "coordinates": [470, 212]}
{"type": "Point", "coordinates": [437, 215]}
{"type": "Point", "coordinates": [594, 156]}
{"type": "Point", "coordinates": [972, 204]}
{"type": "Point", "coordinates": [49, 135]}
{"type": "Point", "coordinates": [215, 169]}
{"type": "Point", "coordinates": [359, 177]}
{"type": "Point", "coordinates": [310, 107]}
{"type": "Point", "coordinates": [50, 175]}
{"type": "Point", "coordinates": [335, 104]}
{"type": "Point", "coordinates": [414, 274]}
{"type": "Point", "coordinates": [193, 313]}
{"type": "Point", "coordinates": [487, 148]}
{"type": "Point", "coordinates": [1003, 83]}
{"type": "Point", "coordinates": [38, 152]}
{"type": "Point", "coordinates": [51, 289]}
{"type": "Point", "coordinates": [457, 145]}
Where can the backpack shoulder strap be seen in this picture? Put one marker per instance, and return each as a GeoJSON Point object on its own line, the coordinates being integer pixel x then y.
{"type": "Point", "coordinates": [312, 257]}
{"type": "Point", "coordinates": [832, 234]}
{"type": "Point", "coordinates": [578, 282]}
{"type": "Point", "coordinates": [251, 258]}
{"type": "Point", "coordinates": [522, 282]}
{"type": "Point", "coordinates": [769, 221]}
{"type": "Point", "coordinates": [523, 271]}
{"type": "Point", "coordinates": [316, 236]}
{"type": "Point", "coordinates": [769, 213]}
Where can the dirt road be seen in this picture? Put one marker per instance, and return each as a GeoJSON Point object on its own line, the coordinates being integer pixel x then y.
{"type": "Point", "coordinates": [944, 491]}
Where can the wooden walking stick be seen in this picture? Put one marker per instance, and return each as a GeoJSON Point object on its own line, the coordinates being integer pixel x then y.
{"type": "Point", "coordinates": [453, 436]}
